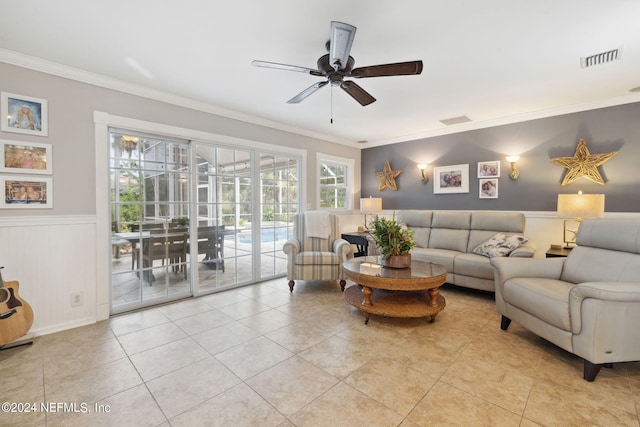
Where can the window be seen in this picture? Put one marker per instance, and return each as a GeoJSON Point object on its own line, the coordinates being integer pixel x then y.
{"type": "Point", "coordinates": [335, 182]}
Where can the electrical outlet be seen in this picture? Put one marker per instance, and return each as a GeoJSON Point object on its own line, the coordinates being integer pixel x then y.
{"type": "Point", "coordinates": [77, 299]}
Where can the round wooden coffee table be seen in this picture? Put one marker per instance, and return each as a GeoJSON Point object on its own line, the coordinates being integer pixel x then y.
{"type": "Point", "coordinates": [395, 292]}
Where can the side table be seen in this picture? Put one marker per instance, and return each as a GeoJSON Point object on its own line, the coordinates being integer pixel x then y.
{"type": "Point", "coordinates": [558, 253]}
{"type": "Point", "coordinates": [360, 240]}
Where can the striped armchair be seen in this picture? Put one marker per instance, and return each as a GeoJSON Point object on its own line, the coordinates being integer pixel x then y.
{"type": "Point", "coordinates": [316, 252]}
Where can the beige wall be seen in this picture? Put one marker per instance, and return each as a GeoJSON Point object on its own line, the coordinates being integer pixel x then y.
{"type": "Point", "coordinates": [71, 133]}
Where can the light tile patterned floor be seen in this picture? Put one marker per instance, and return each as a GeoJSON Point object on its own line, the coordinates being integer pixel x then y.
{"type": "Point", "coordinates": [260, 356]}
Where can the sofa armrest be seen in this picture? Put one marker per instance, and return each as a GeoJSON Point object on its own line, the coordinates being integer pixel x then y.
{"type": "Point", "coordinates": [292, 248]}
{"type": "Point", "coordinates": [526, 250]}
{"type": "Point", "coordinates": [343, 249]}
{"type": "Point", "coordinates": [507, 268]}
{"type": "Point", "coordinates": [610, 292]}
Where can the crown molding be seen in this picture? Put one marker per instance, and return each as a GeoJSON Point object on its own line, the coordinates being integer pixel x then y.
{"type": "Point", "coordinates": [517, 118]}
{"type": "Point", "coordinates": [49, 67]}
{"type": "Point", "coordinates": [59, 70]}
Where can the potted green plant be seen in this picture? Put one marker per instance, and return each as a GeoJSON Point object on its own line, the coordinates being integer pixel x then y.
{"type": "Point", "coordinates": [394, 241]}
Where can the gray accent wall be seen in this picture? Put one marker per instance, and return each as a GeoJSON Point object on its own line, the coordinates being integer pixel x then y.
{"type": "Point", "coordinates": [536, 141]}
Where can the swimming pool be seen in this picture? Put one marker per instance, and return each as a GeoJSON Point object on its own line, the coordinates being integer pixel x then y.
{"type": "Point", "coordinates": [267, 235]}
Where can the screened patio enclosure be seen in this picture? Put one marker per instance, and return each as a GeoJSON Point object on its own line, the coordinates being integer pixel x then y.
{"type": "Point", "coordinates": [190, 218]}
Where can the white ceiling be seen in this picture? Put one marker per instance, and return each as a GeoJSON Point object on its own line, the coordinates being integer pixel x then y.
{"type": "Point", "coordinates": [495, 61]}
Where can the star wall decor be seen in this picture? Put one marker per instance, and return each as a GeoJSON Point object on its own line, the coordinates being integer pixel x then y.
{"type": "Point", "coordinates": [583, 164]}
{"type": "Point", "coordinates": [388, 177]}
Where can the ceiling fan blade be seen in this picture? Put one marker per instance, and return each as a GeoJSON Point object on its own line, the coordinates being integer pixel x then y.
{"type": "Point", "coordinates": [342, 36]}
{"type": "Point", "coordinates": [359, 94]}
{"type": "Point", "coordinates": [397, 69]}
{"type": "Point", "coordinates": [286, 67]}
{"type": "Point", "coordinates": [305, 93]}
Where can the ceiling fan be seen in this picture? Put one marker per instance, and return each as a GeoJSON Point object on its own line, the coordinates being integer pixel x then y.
{"type": "Point", "coordinates": [338, 64]}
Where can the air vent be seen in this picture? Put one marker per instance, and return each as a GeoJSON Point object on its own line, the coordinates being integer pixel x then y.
{"type": "Point", "coordinates": [455, 120]}
{"type": "Point", "coordinates": [601, 58]}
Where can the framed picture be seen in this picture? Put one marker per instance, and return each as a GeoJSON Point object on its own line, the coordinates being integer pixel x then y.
{"type": "Point", "coordinates": [25, 157]}
{"type": "Point", "coordinates": [488, 188]}
{"type": "Point", "coordinates": [26, 192]}
{"type": "Point", "coordinates": [489, 169]}
{"type": "Point", "coordinates": [451, 179]}
{"type": "Point", "coordinates": [23, 114]}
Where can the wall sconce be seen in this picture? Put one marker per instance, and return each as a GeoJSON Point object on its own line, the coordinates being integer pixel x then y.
{"type": "Point", "coordinates": [425, 177]}
{"type": "Point", "coordinates": [515, 173]}
{"type": "Point", "coordinates": [578, 206]}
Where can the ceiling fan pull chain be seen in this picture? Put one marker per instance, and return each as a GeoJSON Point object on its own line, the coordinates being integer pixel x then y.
{"type": "Point", "coordinates": [331, 104]}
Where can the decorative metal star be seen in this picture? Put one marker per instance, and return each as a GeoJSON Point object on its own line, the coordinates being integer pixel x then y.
{"type": "Point", "coordinates": [583, 164]}
{"type": "Point", "coordinates": [388, 177]}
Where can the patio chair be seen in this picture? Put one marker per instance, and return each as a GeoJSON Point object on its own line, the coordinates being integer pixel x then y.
{"type": "Point", "coordinates": [135, 248]}
{"type": "Point", "coordinates": [169, 247]}
{"type": "Point", "coordinates": [211, 243]}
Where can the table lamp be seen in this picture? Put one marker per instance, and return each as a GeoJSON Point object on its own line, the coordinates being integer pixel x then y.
{"type": "Point", "coordinates": [578, 206]}
{"type": "Point", "coordinates": [370, 206]}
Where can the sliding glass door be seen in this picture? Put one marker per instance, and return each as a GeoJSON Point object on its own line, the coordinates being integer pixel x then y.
{"type": "Point", "coordinates": [251, 197]}
{"type": "Point", "coordinates": [278, 204]}
{"type": "Point", "coordinates": [189, 218]}
{"type": "Point", "coordinates": [224, 205]}
{"type": "Point", "coordinates": [149, 211]}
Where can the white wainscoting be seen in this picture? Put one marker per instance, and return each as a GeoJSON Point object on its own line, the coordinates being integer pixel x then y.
{"type": "Point", "coordinates": [52, 257]}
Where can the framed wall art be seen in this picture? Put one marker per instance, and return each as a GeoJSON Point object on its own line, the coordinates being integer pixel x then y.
{"type": "Point", "coordinates": [23, 114]}
{"type": "Point", "coordinates": [25, 157]}
{"type": "Point", "coordinates": [488, 188]}
{"type": "Point", "coordinates": [451, 179]}
{"type": "Point", "coordinates": [27, 192]}
{"type": "Point", "coordinates": [489, 169]}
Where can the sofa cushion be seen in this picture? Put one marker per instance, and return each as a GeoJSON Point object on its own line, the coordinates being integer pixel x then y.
{"type": "Point", "coordinates": [546, 299]}
{"type": "Point", "coordinates": [451, 219]}
{"type": "Point", "coordinates": [473, 265]}
{"type": "Point", "coordinates": [485, 224]}
{"type": "Point", "coordinates": [447, 238]}
{"type": "Point", "coordinates": [443, 257]}
{"type": "Point", "coordinates": [586, 264]}
{"type": "Point", "coordinates": [450, 230]}
{"type": "Point", "coordinates": [500, 244]}
{"type": "Point", "coordinates": [615, 234]}
{"type": "Point", "coordinates": [501, 221]}
{"type": "Point", "coordinates": [415, 218]}
{"type": "Point", "coordinates": [421, 236]}
{"type": "Point", "coordinates": [419, 222]}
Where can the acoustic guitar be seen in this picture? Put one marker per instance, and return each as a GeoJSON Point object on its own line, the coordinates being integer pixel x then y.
{"type": "Point", "coordinates": [16, 315]}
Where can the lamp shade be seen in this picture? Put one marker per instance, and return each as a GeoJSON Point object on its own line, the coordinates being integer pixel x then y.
{"type": "Point", "coordinates": [371, 204]}
{"type": "Point", "coordinates": [581, 205]}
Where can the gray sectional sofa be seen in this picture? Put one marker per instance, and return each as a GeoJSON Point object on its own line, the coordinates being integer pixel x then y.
{"type": "Point", "coordinates": [450, 237]}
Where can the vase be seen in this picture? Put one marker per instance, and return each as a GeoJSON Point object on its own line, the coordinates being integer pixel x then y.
{"type": "Point", "coordinates": [397, 261]}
